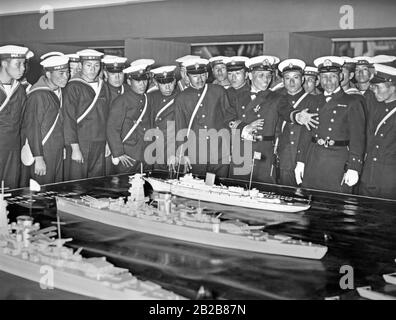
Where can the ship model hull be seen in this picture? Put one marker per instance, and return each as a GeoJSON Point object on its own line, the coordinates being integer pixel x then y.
{"type": "Point", "coordinates": [70, 281]}
{"type": "Point", "coordinates": [239, 201]}
{"type": "Point", "coordinates": [189, 234]}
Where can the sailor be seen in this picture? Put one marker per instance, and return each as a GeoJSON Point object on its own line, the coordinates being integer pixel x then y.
{"type": "Point", "coordinates": [348, 73]}
{"type": "Point", "coordinates": [198, 109]}
{"type": "Point", "coordinates": [12, 101]}
{"type": "Point", "coordinates": [330, 156]}
{"type": "Point", "coordinates": [311, 80]}
{"type": "Point", "coordinates": [85, 108]}
{"type": "Point", "coordinates": [74, 64]}
{"type": "Point", "coordinates": [162, 113]}
{"type": "Point", "coordinates": [43, 123]}
{"type": "Point", "coordinates": [114, 78]}
{"type": "Point", "coordinates": [184, 82]}
{"type": "Point", "coordinates": [129, 118]}
{"type": "Point", "coordinates": [292, 71]}
{"type": "Point", "coordinates": [379, 170]}
{"type": "Point", "coordinates": [113, 75]}
{"type": "Point", "coordinates": [239, 92]}
{"type": "Point", "coordinates": [219, 71]}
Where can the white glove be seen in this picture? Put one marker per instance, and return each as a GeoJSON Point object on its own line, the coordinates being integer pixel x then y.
{"type": "Point", "coordinates": [299, 172]}
{"type": "Point", "coordinates": [351, 177]}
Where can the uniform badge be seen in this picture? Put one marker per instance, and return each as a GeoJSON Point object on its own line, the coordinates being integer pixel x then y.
{"type": "Point", "coordinates": [257, 108]}
{"type": "Point", "coordinates": [327, 63]}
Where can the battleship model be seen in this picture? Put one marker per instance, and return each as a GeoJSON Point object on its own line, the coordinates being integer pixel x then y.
{"type": "Point", "coordinates": [181, 223]}
{"type": "Point", "coordinates": [197, 189]}
{"type": "Point", "coordinates": [29, 252]}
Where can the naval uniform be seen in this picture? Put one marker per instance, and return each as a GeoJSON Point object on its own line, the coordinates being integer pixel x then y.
{"type": "Point", "coordinates": [89, 133]}
{"type": "Point", "coordinates": [43, 108]}
{"type": "Point", "coordinates": [336, 145]}
{"type": "Point", "coordinates": [124, 113]}
{"type": "Point", "coordinates": [11, 114]}
{"type": "Point", "coordinates": [289, 138]}
{"type": "Point", "coordinates": [162, 110]}
{"type": "Point", "coordinates": [114, 93]}
{"type": "Point", "coordinates": [379, 170]}
{"type": "Point", "coordinates": [214, 112]}
{"type": "Point", "coordinates": [239, 98]}
{"type": "Point", "coordinates": [273, 108]}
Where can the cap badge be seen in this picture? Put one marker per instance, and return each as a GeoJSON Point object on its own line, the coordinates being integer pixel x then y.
{"type": "Point", "coordinates": [327, 63]}
{"type": "Point", "coordinates": [233, 62]}
{"type": "Point", "coordinates": [165, 74]}
{"type": "Point", "coordinates": [266, 62]}
{"type": "Point", "coordinates": [196, 66]}
{"type": "Point", "coordinates": [290, 65]}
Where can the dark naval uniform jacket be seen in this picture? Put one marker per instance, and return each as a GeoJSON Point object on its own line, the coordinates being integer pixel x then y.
{"type": "Point", "coordinates": [379, 170]}
{"type": "Point", "coordinates": [162, 118]}
{"type": "Point", "coordinates": [239, 99]}
{"type": "Point", "coordinates": [124, 113]}
{"type": "Point", "coordinates": [273, 108]}
{"type": "Point", "coordinates": [336, 145]}
{"type": "Point", "coordinates": [43, 107]}
{"type": "Point", "coordinates": [214, 112]}
{"type": "Point", "coordinates": [289, 137]}
{"type": "Point", "coordinates": [11, 114]}
{"type": "Point", "coordinates": [89, 133]}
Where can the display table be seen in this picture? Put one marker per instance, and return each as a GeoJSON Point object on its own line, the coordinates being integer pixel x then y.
{"type": "Point", "coordinates": [359, 232]}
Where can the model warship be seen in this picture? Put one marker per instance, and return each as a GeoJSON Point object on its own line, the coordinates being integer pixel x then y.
{"type": "Point", "coordinates": [197, 189]}
{"type": "Point", "coordinates": [27, 251]}
{"type": "Point", "coordinates": [182, 223]}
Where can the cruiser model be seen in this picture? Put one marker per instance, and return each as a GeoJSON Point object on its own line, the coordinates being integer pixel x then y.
{"type": "Point", "coordinates": [32, 253]}
{"type": "Point", "coordinates": [197, 189]}
{"type": "Point", "coordinates": [181, 223]}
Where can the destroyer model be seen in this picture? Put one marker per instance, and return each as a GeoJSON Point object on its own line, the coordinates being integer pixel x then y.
{"type": "Point", "coordinates": [30, 252]}
{"type": "Point", "coordinates": [194, 188]}
{"type": "Point", "coordinates": [178, 222]}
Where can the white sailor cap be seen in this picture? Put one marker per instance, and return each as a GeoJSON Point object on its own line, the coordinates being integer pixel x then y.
{"type": "Point", "coordinates": [365, 61]}
{"type": "Point", "coordinates": [183, 59]}
{"type": "Point", "coordinates": [235, 63]}
{"type": "Point", "coordinates": [73, 57]}
{"type": "Point", "coordinates": [291, 65]}
{"type": "Point", "coordinates": [29, 54]}
{"type": "Point", "coordinates": [383, 58]}
{"type": "Point", "coordinates": [138, 69]}
{"type": "Point", "coordinates": [53, 63]}
{"type": "Point", "coordinates": [114, 64]}
{"type": "Point", "coordinates": [50, 54]}
{"type": "Point", "coordinates": [216, 60]}
{"type": "Point", "coordinates": [11, 51]}
{"type": "Point", "coordinates": [311, 71]}
{"type": "Point", "coordinates": [90, 54]}
{"type": "Point", "coordinates": [384, 73]}
{"type": "Point", "coordinates": [164, 74]}
{"type": "Point", "coordinates": [262, 63]}
{"type": "Point", "coordinates": [329, 64]}
{"type": "Point", "coordinates": [196, 66]}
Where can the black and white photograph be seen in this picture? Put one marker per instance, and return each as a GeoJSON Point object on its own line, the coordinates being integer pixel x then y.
{"type": "Point", "coordinates": [212, 152]}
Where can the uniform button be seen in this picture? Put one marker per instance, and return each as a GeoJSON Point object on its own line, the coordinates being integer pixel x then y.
{"type": "Point", "coordinates": [291, 132]}
{"type": "Point", "coordinates": [381, 134]}
{"type": "Point", "coordinates": [258, 116]}
{"type": "Point", "coordinates": [334, 111]}
{"type": "Point", "coordinates": [243, 116]}
{"type": "Point", "coordinates": [201, 105]}
{"type": "Point", "coordinates": [203, 116]}
{"type": "Point", "coordinates": [328, 138]}
{"type": "Point", "coordinates": [331, 120]}
{"type": "Point", "coordinates": [292, 142]}
{"type": "Point", "coordinates": [316, 135]}
{"type": "Point", "coordinates": [330, 129]}
{"type": "Point", "coordinates": [353, 159]}
{"type": "Point", "coordinates": [375, 159]}
{"type": "Point", "coordinates": [159, 119]}
{"type": "Point", "coordinates": [384, 122]}
{"type": "Point", "coordinates": [207, 138]}
{"type": "Point", "coordinates": [199, 94]}
{"type": "Point", "coordinates": [157, 128]}
{"type": "Point", "coordinates": [141, 100]}
{"type": "Point", "coordinates": [144, 129]}
{"type": "Point", "coordinates": [205, 127]}
{"type": "Point", "coordinates": [164, 100]}
{"type": "Point", "coordinates": [140, 110]}
{"type": "Point", "coordinates": [317, 109]}
{"type": "Point", "coordinates": [377, 147]}
{"type": "Point", "coordinates": [243, 107]}
{"type": "Point", "coordinates": [293, 102]}
{"type": "Point", "coordinates": [386, 110]}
